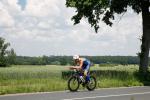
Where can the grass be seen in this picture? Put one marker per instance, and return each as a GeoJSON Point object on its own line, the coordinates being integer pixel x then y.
{"type": "Point", "coordinates": [27, 72]}
{"type": "Point", "coordinates": [19, 79]}
{"type": "Point", "coordinates": [32, 85]}
{"type": "Point", "coordinates": [118, 76]}
{"type": "Point", "coordinates": [27, 78]}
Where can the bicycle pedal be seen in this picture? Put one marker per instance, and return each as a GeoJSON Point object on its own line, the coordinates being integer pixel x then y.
{"type": "Point", "coordinates": [83, 84]}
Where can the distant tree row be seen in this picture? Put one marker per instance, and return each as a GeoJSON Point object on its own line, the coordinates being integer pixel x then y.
{"type": "Point", "coordinates": [8, 57]}
{"type": "Point", "coordinates": [67, 60]}
{"type": "Point", "coordinates": [44, 60]}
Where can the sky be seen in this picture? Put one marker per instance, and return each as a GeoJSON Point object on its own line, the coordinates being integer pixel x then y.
{"type": "Point", "coordinates": [44, 27]}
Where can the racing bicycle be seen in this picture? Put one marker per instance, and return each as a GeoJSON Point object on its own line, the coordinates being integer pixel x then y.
{"type": "Point", "coordinates": [77, 79]}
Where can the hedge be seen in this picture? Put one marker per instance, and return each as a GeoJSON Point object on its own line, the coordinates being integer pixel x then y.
{"type": "Point", "coordinates": [102, 74]}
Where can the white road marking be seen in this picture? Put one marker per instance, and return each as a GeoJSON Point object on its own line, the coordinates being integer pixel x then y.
{"type": "Point", "coordinates": [121, 87]}
{"type": "Point", "coordinates": [34, 93]}
{"type": "Point", "coordinates": [119, 95]}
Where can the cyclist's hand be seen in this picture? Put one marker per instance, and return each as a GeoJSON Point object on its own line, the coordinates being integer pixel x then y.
{"type": "Point", "coordinates": [75, 67]}
{"type": "Point", "coordinates": [78, 68]}
{"type": "Point", "coordinates": [72, 67]}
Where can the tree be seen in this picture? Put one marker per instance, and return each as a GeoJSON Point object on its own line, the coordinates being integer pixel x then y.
{"type": "Point", "coordinates": [104, 10]}
{"type": "Point", "coordinates": [6, 56]}
{"type": "Point", "coordinates": [3, 52]}
{"type": "Point", "coordinates": [11, 56]}
{"type": "Point", "coordinates": [45, 59]}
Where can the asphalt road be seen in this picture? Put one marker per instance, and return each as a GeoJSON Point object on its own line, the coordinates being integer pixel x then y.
{"type": "Point", "coordinates": [133, 93]}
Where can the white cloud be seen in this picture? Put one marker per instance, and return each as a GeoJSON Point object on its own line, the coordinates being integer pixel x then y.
{"type": "Point", "coordinates": [44, 27]}
{"type": "Point", "coordinates": [42, 8]}
{"type": "Point", "coordinates": [6, 20]}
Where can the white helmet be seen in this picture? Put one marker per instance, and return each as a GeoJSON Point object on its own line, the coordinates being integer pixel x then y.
{"type": "Point", "coordinates": [76, 57]}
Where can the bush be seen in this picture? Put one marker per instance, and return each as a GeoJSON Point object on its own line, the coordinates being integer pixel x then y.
{"type": "Point", "coordinates": [4, 62]}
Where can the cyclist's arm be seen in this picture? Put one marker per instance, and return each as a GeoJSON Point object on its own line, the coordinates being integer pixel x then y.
{"type": "Point", "coordinates": [80, 66]}
{"type": "Point", "coordinates": [81, 63]}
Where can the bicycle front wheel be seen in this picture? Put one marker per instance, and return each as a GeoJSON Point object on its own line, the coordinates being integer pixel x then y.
{"type": "Point", "coordinates": [73, 83]}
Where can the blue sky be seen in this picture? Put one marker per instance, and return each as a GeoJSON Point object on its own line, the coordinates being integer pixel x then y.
{"type": "Point", "coordinates": [22, 3]}
{"type": "Point", "coordinates": [36, 28]}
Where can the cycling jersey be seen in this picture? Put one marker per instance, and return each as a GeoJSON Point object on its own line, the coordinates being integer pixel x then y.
{"type": "Point", "coordinates": [86, 64]}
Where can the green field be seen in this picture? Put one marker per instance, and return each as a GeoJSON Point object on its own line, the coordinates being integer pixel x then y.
{"type": "Point", "coordinates": [28, 78]}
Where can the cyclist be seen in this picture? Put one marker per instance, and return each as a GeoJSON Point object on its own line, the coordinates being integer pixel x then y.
{"type": "Point", "coordinates": [82, 64]}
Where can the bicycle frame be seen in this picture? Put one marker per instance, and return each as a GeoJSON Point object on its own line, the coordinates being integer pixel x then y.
{"type": "Point", "coordinates": [78, 74]}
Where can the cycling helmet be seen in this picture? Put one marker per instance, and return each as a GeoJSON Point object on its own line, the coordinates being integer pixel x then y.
{"type": "Point", "coordinates": [76, 57]}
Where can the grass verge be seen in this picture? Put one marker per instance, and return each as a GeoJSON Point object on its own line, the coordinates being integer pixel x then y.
{"type": "Point", "coordinates": [25, 79]}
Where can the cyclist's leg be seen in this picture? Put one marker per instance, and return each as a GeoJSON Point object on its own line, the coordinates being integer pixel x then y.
{"type": "Point", "coordinates": [86, 71]}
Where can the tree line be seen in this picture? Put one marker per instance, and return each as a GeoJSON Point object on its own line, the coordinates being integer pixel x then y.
{"type": "Point", "coordinates": [67, 60]}
{"type": "Point", "coordinates": [9, 57]}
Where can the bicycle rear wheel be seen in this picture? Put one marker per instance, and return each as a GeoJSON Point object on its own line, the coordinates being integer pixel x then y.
{"type": "Point", "coordinates": [92, 84]}
{"type": "Point", "coordinates": [73, 83]}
